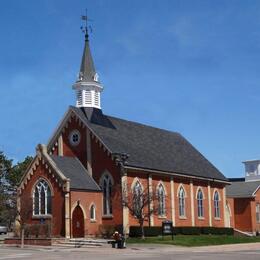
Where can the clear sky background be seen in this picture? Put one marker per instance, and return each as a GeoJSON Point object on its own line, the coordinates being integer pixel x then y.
{"type": "Point", "coordinates": [187, 66]}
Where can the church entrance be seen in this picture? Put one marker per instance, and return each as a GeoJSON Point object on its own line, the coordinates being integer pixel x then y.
{"type": "Point", "coordinates": [78, 222]}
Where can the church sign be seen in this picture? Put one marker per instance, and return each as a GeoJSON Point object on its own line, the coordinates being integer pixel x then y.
{"type": "Point", "coordinates": [167, 228]}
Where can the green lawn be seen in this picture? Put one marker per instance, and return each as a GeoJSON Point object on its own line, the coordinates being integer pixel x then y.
{"type": "Point", "coordinates": [193, 240]}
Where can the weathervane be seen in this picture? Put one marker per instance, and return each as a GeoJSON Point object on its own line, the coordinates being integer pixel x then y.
{"type": "Point", "coordinates": [87, 27]}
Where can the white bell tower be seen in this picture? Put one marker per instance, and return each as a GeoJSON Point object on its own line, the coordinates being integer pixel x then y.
{"type": "Point", "coordinates": [87, 86]}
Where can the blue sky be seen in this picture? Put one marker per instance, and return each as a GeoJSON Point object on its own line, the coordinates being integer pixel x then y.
{"type": "Point", "coordinates": [187, 66]}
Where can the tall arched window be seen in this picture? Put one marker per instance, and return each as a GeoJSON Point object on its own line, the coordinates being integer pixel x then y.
{"type": "Point", "coordinates": [216, 205]}
{"type": "Point", "coordinates": [92, 212]}
{"type": "Point", "coordinates": [42, 198]}
{"type": "Point", "coordinates": [257, 213]}
{"type": "Point", "coordinates": [138, 199]}
{"type": "Point", "coordinates": [106, 185]}
{"type": "Point", "coordinates": [181, 196]}
{"type": "Point", "coordinates": [161, 200]}
{"type": "Point", "coordinates": [200, 203]}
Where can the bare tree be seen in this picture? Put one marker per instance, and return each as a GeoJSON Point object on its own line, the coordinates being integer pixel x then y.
{"type": "Point", "coordinates": [141, 203]}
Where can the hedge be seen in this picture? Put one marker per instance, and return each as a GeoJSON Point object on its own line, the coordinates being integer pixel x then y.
{"type": "Point", "coordinates": [135, 231]}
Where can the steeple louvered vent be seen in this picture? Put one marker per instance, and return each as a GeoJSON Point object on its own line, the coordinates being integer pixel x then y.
{"type": "Point", "coordinates": [88, 99]}
{"type": "Point", "coordinates": [97, 98]}
{"type": "Point", "coordinates": [79, 98]}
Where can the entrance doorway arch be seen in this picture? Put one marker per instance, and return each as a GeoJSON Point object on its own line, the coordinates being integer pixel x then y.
{"type": "Point", "coordinates": [78, 222]}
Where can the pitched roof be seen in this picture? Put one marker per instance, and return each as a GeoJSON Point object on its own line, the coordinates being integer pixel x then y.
{"type": "Point", "coordinates": [242, 189]}
{"type": "Point", "coordinates": [72, 168]}
{"type": "Point", "coordinates": [148, 147]}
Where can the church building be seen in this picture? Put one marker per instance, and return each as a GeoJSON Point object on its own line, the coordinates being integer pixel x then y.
{"type": "Point", "coordinates": [77, 181]}
{"type": "Point", "coordinates": [243, 196]}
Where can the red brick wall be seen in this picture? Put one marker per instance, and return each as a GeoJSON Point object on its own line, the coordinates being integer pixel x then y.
{"type": "Point", "coordinates": [57, 220]}
{"type": "Point", "coordinates": [242, 209]}
{"type": "Point", "coordinates": [185, 182]}
{"type": "Point", "coordinates": [201, 222]}
{"type": "Point", "coordinates": [166, 181]}
{"type": "Point", "coordinates": [182, 221]}
{"type": "Point", "coordinates": [244, 216]}
{"type": "Point", "coordinates": [101, 161]}
{"type": "Point", "coordinates": [86, 199]}
{"type": "Point", "coordinates": [217, 222]}
{"type": "Point", "coordinates": [79, 150]}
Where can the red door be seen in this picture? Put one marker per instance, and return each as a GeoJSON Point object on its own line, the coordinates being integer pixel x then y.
{"type": "Point", "coordinates": [78, 222]}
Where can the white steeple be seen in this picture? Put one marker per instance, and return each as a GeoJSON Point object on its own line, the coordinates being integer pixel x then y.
{"type": "Point", "coordinates": [87, 86]}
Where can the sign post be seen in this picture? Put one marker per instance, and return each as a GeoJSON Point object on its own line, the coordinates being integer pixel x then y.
{"type": "Point", "coordinates": [167, 228]}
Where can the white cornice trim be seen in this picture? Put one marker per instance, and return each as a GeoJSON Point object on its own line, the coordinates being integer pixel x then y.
{"type": "Point", "coordinates": [89, 85]}
{"type": "Point", "coordinates": [174, 174]}
{"type": "Point", "coordinates": [254, 193]}
{"type": "Point", "coordinates": [43, 157]}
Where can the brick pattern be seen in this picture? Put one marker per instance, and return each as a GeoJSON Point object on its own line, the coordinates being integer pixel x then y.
{"type": "Point", "coordinates": [85, 200]}
{"type": "Point", "coordinates": [57, 219]}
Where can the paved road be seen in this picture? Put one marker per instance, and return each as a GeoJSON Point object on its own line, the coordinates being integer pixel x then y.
{"type": "Point", "coordinates": [250, 252]}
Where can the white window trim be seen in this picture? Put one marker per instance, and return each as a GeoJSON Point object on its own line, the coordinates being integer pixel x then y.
{"type": "Point", "coordinates": [216, 216]}
{"type": "Point", "coordinates": [181, 187]}
{"type": "Point", "coordinates": [45, 214]}
{"type": "Point", "coordinates": [198, 206]}
{"type": "Point", "coordinates": [159, 186]}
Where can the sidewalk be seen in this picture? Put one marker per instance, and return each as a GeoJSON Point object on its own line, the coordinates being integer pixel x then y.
{"type": "Point", "coordinates": [217, 248]}
{"type": "Point", "coordinates": [145, 248]}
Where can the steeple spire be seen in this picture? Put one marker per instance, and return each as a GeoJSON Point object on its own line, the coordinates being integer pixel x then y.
{"type": "Point", "coordinates": [87, 86]}
{"type": "Point", "coordinates": [87, 69]}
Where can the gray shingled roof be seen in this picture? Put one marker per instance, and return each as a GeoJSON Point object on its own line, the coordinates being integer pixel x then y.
{"type": "Point", "coordinates": [242, 189]}
{"type": "Point", "coordinates": [149, 147]}
{"type": "Point", "coordinates": [72, 168]}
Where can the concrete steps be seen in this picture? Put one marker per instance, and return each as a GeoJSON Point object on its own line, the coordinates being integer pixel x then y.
{"type": "Point", "coordinates": [81, 242]}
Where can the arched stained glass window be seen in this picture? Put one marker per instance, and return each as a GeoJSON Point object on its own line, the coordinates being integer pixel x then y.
{"type": "Point", "coordinates": [181, 196]}
{"type": "Point", "coordinates": [161, 200]}
{"type": "Point", "coordinates": [200, 203]}
{"type": "Point", "coordinates": [42, 198]}
{"type": "Point", "coordinates": [216, 205]}
{"type": "Point", "coordinates": [106, 185]}
{"type": "Point", "coordinates": [137, 199]}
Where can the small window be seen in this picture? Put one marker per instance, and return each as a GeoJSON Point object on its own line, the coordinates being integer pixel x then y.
{"type": "Point", "coordinates": [216, 205]}
{"type": "Point", "coordinates": [92, 212]}
{"type": "Point", "coordinates": [257, 213]}
{"type": "Point", "coordinates": [74, 137]}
